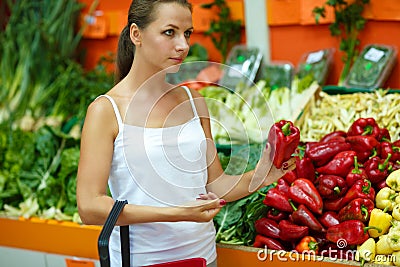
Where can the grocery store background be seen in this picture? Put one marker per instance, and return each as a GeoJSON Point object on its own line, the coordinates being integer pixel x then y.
{"type": "Point", "coordinates": [292, 29]}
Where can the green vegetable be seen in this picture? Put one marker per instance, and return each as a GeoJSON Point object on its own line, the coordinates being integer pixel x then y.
{"type": "Point", "coordinates": [349, 22]}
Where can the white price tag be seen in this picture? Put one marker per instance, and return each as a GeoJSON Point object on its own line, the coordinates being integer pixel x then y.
{"type": "Point", "coordinates": [374, 54]}
{"type": "Point", "coordinates": [315, 57]}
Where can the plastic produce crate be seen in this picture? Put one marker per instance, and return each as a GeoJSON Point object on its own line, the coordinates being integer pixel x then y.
{"type": "Point", "coordinates": [316, 63]}
{"type": "Point", "coordinates": [243, 64]}
{"type": "Point", "coordinates": [277, 74]}
{"type": "Point", "coordinates": [372, 68]}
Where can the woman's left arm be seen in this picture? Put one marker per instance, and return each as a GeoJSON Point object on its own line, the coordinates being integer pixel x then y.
{"type": "Point", "coordinates": [233, 187]}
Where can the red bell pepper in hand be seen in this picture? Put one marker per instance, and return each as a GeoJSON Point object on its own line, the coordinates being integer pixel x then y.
{"type": "Point", "coordinates": [290, 231]}
{"type": "Point", "coordinates": [266, 242]}
{"type": "Point", "coordinates": [364, 126]}
{"type": "Point", "coordinates": [387, 148]}
{"type": "Point", "coordinates": [365, 146]}
{"type": "Point", "coordinates": [303, 216]}
{"type": "Point", "coordinates": [340, 165]}
{"type": "Point", "coordinates": [329, 218]}
{"type": "Point", "coordinates": [284, 138]}
{"type": "Point", "coordinates": [335, 135]}
{"type": "Point", "coordinates": [358, 209]}
{"type": "Point", "coordinates": [303, 191]}
{"type": "Point", "coordinates": [353, 231]}
{"type": "Point", "coordinates": [276, 215]}
{"type": "Point", "coordinates": [378, 169]}
{"type": "Point", "coordinates": [267, 227]}
{"type": "Point", "coordinates": [322, 153]}
{"type": "Point", "coordinates": [331, 186]}
{"type": "Point", "coordinates": [356, 173]}
{"type": "Point", "coordinates": [360, 189]}
{"type": "Point", "coordinates": [305, 168]}
{"type": "Point", "coordinates": [278, 200]}
{"type": "Point", "coordinates": [307, 243]}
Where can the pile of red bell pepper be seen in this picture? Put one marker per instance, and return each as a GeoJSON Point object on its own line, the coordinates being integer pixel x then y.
{"type": "Point", "coordinates": [331, 193]}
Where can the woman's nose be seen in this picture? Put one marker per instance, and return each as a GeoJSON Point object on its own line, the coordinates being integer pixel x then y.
{"type": "Point", "coordinates": [182, 44]}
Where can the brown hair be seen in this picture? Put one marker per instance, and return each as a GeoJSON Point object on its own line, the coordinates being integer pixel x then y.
{"type": "Point", "coordinates": [141, 13]}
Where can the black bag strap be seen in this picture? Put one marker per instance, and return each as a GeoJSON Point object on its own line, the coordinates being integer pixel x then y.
{"type": "Point", "coordinates": [104, 237]}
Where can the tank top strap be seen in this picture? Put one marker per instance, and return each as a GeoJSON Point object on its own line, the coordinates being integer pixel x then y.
{"type": "Point", "coordinates": [191, 100]}
{"type": "Point", "coordinates": [116, 111]}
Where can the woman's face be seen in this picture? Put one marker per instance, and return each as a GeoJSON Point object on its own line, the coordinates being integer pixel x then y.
{"type": "Point", "coordinates": [165, 41]}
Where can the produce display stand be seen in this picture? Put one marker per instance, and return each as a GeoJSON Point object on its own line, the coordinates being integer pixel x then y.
{"type": "Point", "coordinates": [80, 241]}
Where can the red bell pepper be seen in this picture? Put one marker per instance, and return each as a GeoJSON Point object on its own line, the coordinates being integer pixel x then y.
{"type": "Point", "coordinates": [305, 168]}
{"type": "Point", "coordinates": [276, 215]}
{"type": "Point", "coordinates": [329, 218]}
{"type": "Point", "coordinates": [290, 231]}
{"type": "Point", "coordinates": [303, 216]}
{"type": "Point", "coordinates": [364, 126]}
{"type": "Point", "coordinates": [387, 148]}
{"type": "Point", "coordinates": [384, 135]}
{"type": "Point", "coordinates": [278, 200]}
{"type": "Point", "coordinates": [358, 209]}
{"type": "Point", "coordinates": [340, 165]}
{"type": "Point", "coordinates": [290, 176]}
{"type": "Point", "coordinates": [267, 227]}
{"type": "Point", "coordinates": [354, 232]}
{"type": "Point", "coordinates": [360, 189]}
{"type": "Point", "coordinates": [335, 135]}
{"type": "Point", "coordinates": [378, 169]}
{"type": "Point", "coordinates": [331, 186]}
{"type": "Point", "coordinates": [282, 186]}
{"type": "Point", "coordinates": [356, 173]}
{"type": "Point", "coordinates": [364, 145]}
{"type": "Point", "coordinates": [333, 204]}
{"type": "Point", "coordinates": [322, 153]}
{"type": "Point", "coordinates": [307, 243]}
{"type": "Point", "coordinates": [284, 138]}
{"type": "Point", "coordinates": [303, 191]}
{"type": "Point", "coordinates": [266, 242]}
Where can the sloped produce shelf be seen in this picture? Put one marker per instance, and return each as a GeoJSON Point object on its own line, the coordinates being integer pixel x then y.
{"type": "Point", "coordinates": [81, 241]}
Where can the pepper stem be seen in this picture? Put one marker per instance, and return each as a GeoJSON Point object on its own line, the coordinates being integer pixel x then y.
{"type": "Point", "coordinates": [356, 170]}
{"type": "Point", "coordinates": [337, 190]}
{"type": "Point", "coordinates": [372, 227]}
{"type": "Point", "coordinates": [292, 204]}
{"type": "Point", "coordinates": [286, 129]}
{"type": "Point", "coordinates": [368, 130]}
{"type": "Point", "coordinates": [383, 165]}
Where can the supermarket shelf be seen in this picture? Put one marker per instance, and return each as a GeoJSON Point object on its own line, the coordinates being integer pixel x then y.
{"type": "Point", "coordinates": [60, 238]}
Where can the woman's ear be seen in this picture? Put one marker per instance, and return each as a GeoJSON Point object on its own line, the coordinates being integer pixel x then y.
{"type": "Point", "coordinates": [134, 34]}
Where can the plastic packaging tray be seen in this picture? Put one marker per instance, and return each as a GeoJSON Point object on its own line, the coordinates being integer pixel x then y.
{"type": "Point", "coordinates": [243, 64]}
{"type": "Point", "coordinates": [277, 74]}
{"type": "Point", "coordinates": [372, 68]}
{"type": "Point", "coordinates": [317, 63]}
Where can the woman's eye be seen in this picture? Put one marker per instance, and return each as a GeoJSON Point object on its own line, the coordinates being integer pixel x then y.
{"type": "Point", "coordinates": [169, 32]}
{"type": "Point", "coordinates": [188, 34]}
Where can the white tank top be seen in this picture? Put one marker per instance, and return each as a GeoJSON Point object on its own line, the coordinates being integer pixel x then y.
{"type": "Point", "coordinates": [161, 167]}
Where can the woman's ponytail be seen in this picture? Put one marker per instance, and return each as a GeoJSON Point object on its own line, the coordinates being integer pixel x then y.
{"type": "Point", "coordinates": [125, 54]}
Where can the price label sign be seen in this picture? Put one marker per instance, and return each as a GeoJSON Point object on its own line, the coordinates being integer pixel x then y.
{"type": "Point", "coordinates": [79, 263]}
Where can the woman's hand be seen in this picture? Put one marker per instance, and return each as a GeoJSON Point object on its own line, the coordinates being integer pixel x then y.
{"type": "Point", "coordinates": [204, 208]}
{"type": "Point", "coordinates": [266, 169]}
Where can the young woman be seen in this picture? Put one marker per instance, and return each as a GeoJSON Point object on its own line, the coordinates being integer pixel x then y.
{"type": "Point", "coordinates": [151, 144]}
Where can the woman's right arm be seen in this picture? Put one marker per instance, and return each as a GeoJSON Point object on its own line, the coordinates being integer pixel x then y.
{"type": "Point", "coordinates": [96, 152]}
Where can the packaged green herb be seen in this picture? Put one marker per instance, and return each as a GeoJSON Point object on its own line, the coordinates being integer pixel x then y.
{"type": "Point", "coordinates": [243, 64]}
{"type": "Point", "coordinates": [372, 68]}
{"type": "Point", "coordinates": [277, 74]}
{"type": "Point", "coordinates": [317, 63]}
